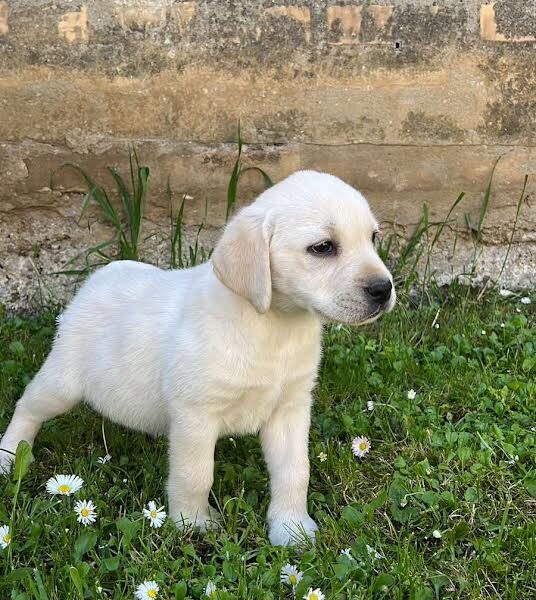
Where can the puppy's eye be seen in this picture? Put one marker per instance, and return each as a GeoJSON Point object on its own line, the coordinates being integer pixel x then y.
{"type": "Point", "coordinates": [324, 248]}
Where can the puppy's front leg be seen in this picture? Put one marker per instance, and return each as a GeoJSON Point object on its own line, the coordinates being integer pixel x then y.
{"type": "Point", "coordinates": [285, 440]}
{"type": "Point", "coordinates": [191, 472]}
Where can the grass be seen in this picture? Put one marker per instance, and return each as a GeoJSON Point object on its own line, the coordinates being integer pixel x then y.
{"type": "Point", "coordinates": [126, 221]}
{"type": "Point", "coordinates": [459, 459]}
{"type": "Point", "coordinates": [447, 494]}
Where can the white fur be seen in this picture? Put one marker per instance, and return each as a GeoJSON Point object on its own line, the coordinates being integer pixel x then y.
{"type": "Point", "coordinates": [228, 347]}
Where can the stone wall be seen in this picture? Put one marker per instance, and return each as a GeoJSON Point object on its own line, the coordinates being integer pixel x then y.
{"type": "Point", "coordinates": [410, 101]}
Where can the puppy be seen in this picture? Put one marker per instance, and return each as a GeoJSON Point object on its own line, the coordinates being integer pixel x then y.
{"type": "Point", "coordinates": [228, 347]}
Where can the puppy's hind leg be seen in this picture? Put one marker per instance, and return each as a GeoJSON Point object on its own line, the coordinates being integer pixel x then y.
{"type": "Point", "coordinates": [52, 392]}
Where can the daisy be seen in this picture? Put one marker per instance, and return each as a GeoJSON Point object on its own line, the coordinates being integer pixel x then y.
{"type": "Point", "coordinates": [347, 552]}
{"type": "Point", "coordinates": [5, 536]}
{"type": "Point", "coordinates": [155, 515]}
{"type": "Point", "coordinates": [85, 509]}
{"type": "Point", "coordinates": [315, 594]}
{"type": "Point", "coordinates": [290, 575]}
{"type": "Point", "coordinates": [148, 590]}
{"type": "Point", "coordinates": [360, 446]}
{"type": "Point", "coordinates": [525, 300]}
{"type": "Point", "coordinates": [412, 394]}
{"type": "Point", "coordinates": [322, 457]}
{"type": "Point", "coordinates": [211, 590]}
{"type": "Point", "coordinates": [437, 534]}
{"type": "Point", "coordinates": [374, 553]}
{"type": "Point", "coordinates": [370, 405]}
{"type": "Point", "coordinates": [64, 485]}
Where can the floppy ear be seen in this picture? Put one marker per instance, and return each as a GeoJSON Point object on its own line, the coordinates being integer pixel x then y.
{"type": "Point", "coordinates": [241, 259]}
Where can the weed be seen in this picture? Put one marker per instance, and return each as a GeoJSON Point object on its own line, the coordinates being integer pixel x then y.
{"type": "Point", "coordinates": [127, 223]}
{"type": "Point", "coordinates": [237, 172]}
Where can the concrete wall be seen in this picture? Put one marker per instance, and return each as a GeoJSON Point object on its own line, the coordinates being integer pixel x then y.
{"type": "Point", "coordinates": [410, 101]}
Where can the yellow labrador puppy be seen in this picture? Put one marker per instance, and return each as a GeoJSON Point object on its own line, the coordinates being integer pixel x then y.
{"type": "Point", "coordinates": [229, 347]}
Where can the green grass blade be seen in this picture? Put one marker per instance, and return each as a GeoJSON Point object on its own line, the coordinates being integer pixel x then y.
{"type": "Point", "coordinates": [233, 181]}
{"type": "Point", "coordinates": [522, 198]}
{"type": "Point", "coordinates": [485, 202]}
{"type": "Point", "coordinates": [266, 179]}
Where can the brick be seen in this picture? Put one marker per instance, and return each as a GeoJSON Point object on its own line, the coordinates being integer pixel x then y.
{"type": "Point", "coordinates": [301, 14]}
{"type": "Point", "coordinates": [142, 15]}
{"type": "Point", "coordinates": [488, 27]}
{"type": "Point", "coordinates": [73, 26]}
{"type": "Point", "coordinates": [344, 24]}
{"type": "Point", "coordinates": [381, 16]}
{"type": "Point", "coordinates": [184, 12]}
{"type": "Point", "coordinates": [4, 16]}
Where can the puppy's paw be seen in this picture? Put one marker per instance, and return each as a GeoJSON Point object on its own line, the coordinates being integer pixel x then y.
{"type": "Point", "coordinates": [200, 520]}
{"type": "Point", "coordinates": [292, 531]}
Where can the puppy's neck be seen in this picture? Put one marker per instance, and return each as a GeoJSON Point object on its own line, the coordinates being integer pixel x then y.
{"type": "Point", "coordinates": [285, 307]}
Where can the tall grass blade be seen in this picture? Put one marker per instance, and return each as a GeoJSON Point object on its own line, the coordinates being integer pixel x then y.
{"type": "Point", "coordinates": [266, 179]}
{"type": "Point", "coordinates": [233, 181]}
{"type": "Point", "coordinates": [485, 202]}
{"type": "Point", "coordinates": [522, 198]}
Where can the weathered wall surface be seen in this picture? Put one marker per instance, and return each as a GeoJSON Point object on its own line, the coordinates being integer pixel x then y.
{"type": "Point", "coordinates": [411, 101]}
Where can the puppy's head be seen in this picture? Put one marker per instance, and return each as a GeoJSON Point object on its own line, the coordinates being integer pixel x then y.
{"type": "Point", "coordinates": [307, 243]}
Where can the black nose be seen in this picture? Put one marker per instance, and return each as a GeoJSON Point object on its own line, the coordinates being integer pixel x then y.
{"type": "Point", "coordinates": [380, 290]}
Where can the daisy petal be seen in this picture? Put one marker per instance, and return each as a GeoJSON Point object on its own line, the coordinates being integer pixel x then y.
{"type": "Point", "coordinates": [64, 485]}
{"type": "Point", "coordinates": [148, 590]}
{"type": "Point", "coordinates": [5, 536]}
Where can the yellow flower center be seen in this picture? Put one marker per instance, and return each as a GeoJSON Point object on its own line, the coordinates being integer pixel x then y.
{"type": "Point", "coordinates": [152, 593]}
{"type": "Point", "coordinates": [362, 446]}
{"type": "Point", "coordinates": [153, 514]}
{"type": "Point", "coordinates": [313, 597]}
{"type": "Point", "coordinates": [85, 512]}
{"type": "Point", "coordinates": [292, 579]}
{"type": "Point", "coordinates": [6, 538]}
{"type": "Point", "coordinates": [64, 489]}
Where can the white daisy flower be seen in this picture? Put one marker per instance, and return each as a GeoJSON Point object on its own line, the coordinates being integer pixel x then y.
{"type": "Point", "coordinates": [360, 446]}
{"type": "Point", "coordinates": [211, 590]}
{"type": "Point", "coordinates": [437, 534]}
{"type": "Point", "coordinates": [483, 332]}
{"type": "Point", "coordinates": [374, 553]}
{"type": "Point", "coordinates": [322, 457]}
{"type": "Point", "coordinates": [64, 485]}
{"type": "Point", "coordinates": [505, 293]}
{"type": "Point", "coordinates": [315, 594]}
{"type": "Point", "coordinates": [5, 536]}
{"type": "Point", "coordinates": [148, 590]}
{"type": "Point", "coordinates": [412, 394]}
{"type": "Point", "coordinates": [436, 325]}
{"type": "Point", "coordinates": [102, 460]}
{"type": "Point", "coordinates": [155, 515]}
{"type": "Point", "coordinates": [370, 405]}
{"type": "Point", "coordinates": [290, 575]}
{"type": "Point", "coordinates": [347, 552]}
{"type": "Point", "coordinates": [525, 300]}
{"type": "Point", "coordinates": [85, 509]}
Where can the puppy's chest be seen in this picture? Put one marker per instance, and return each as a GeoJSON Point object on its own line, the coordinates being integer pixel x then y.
{"type": "Point", "coordinates": [253, 388]}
